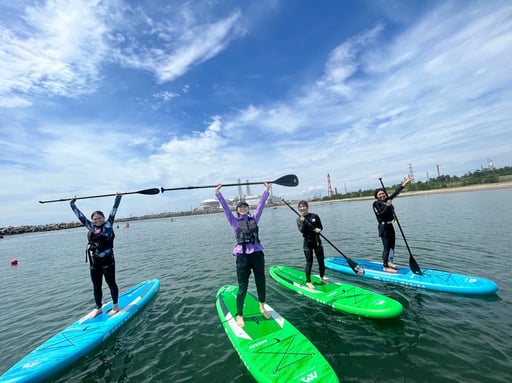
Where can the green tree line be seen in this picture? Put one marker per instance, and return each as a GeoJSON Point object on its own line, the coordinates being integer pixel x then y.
{"type": "Point", "coordinates": [478, 177]}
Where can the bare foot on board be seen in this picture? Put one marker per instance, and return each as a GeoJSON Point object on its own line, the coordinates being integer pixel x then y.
{"type": "Point", "coordinates": [95, 313]}
{"type": "Point", "coordinates": [265, 313]}
{"type": "Point", "coordinates": [115, 309]}
{"type": "Point", "coordinates": [324, 280]}
{"type": "Point", "coordinates": [240, 321]}
{"type": "Point", "coordinates": [389, 270]}
{"type": "Point", "coordinates": [310, 285]}
{"type": "Point", "coordinates": [392, 265]}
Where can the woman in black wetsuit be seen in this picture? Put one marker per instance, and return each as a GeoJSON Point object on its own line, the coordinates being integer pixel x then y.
{"type": "Point", "coordinates": [385, 214]}
{"type": "Point", "coordinates": [100, 253]}
{"type": "Point", "coordinates": [310, 226]}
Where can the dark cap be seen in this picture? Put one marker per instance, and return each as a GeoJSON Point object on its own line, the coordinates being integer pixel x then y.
{"type": "Point", "coordinates": [242, 203]}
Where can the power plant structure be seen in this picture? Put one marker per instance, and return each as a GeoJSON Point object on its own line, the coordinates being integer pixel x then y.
{"type": "Point", "coordinates": [411, 173]}
{"type": "Point", "coordinates": [329, 187]}
{"type": "Point", "coordinates": [251, 199]}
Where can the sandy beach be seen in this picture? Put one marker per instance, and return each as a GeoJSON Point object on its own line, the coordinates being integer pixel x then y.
{"type": "Point", "coordinates": [470, 188]}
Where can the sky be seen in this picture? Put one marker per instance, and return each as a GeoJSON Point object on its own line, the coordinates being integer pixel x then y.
{"type": "Point", "coordinates": [99, 97]}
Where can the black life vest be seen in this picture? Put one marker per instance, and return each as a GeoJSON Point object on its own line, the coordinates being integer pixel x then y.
{"type": "Point", "coordinates": [100, 239]}
{"type": "Point", "coordinates": [247, 231]}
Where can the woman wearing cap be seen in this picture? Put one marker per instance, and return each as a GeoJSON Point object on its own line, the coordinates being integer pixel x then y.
{"type": "Point", "coordinates": [385, 213]}
{"type": "Point", "coordinates": [248, 250]}
{"type": "Point", "coordinates": [100, 253]}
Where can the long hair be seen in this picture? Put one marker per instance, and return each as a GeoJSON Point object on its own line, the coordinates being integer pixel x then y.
{"type": "Point", "coordinates": [376, 192]}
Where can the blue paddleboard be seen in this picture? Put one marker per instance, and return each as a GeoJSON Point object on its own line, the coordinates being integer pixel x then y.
{"type": "Point", "coordinates": [80, 338]}
{"type": "Point", "coordinates": [430, 280]}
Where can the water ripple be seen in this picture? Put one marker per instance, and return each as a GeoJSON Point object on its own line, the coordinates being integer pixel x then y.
{"type": "Point", "coordinates": [178, 337]}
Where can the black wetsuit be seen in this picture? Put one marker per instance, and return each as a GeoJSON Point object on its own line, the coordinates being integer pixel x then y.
{"type": "Point", "coordinates": [312, 243]}
{"type": "Point", "coordinates": [101, 253]}
{"type": "Point", "coordinates": [385, 215]}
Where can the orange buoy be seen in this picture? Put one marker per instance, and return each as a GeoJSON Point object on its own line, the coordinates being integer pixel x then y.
{"type": "Point", "coordinates": [14, 262]}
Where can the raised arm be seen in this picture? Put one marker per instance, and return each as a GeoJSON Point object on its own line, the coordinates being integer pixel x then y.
{"type": "Point", "coordinates": [81, 217]}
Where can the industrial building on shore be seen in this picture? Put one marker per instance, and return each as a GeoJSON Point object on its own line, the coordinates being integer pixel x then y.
{"type": "Point", "coordinates": [212, 204]}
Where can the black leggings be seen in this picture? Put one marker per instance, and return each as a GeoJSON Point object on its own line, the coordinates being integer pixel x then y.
{"type": "Point", "coordinates": [104, 267]}
{"type": "Point", "coordinates": [319, 252]}
{"type": "Point", "coordinates": [388, 242]}
{"type": "Point", "coordinates": [244, 264]}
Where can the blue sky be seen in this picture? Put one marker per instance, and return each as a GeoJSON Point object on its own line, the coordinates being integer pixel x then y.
{"type": "Point", "coordinates": [105, 96]}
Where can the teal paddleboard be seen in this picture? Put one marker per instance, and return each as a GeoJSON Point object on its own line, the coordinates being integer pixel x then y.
{"type": "Point", "coordinates": [430, 279]}
{"type": "Point", "coordinates": [273, 350]}
{"type": "Point", "coordinates": [80, 338]}
{"type": "Point", "coordinates": [341, 296]}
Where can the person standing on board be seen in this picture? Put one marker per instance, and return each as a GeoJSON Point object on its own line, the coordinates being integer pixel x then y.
{"type": "Point", "coordinates": [310, 226]}
{"type": "Point", "coordinates": [385, 214]}
{"type": "Point", "coordinates": [100, 253]}
{"type": "Point", "coordinates": [248, 250]}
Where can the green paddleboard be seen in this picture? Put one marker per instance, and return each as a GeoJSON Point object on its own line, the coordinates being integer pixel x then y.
{"type": "Point", "coordinates": [341, 296]}
{"type": "Point", "coordinates": [273, 350]}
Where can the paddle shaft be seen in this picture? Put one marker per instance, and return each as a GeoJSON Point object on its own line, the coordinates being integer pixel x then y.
{"type": "Point", "coordinates": [412, 262]}
{"type": "Point", "coordinates": [145, 191]}
{"type": "Point", "coordinates": [354, 265]}
{"type": "Point", "coordinates": [288, 180]}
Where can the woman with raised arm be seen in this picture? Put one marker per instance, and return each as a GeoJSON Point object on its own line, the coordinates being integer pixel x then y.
{"type": "Point", "coordinates": [385, 214]}
{"type": "Point", "coordinates": [100, 253]}
{"type": "Point", "coordinates": [248, 250]}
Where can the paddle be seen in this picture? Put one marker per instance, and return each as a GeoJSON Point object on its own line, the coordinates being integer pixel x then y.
{"type": "Point", "coordinates": [415, 268]}
{"type": "Point", "coordinates": [288, 180]}
{"type": "Point", "coordinates": [145, 191]}
{"type": "Point", "coordinates": [353, 265]}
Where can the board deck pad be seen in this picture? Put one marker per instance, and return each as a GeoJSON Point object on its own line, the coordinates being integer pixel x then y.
{"type": "Point", "coordinates": [341, 296]}
{"type": "Point", "coordinates": [273, 350]}
{"type": "Point", "coordinates": [430, 280]}
{"type": "Point", "coordinates": [79, 338]}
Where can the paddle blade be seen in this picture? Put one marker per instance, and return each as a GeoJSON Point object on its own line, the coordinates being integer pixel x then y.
{"type": "Point", "coordinates": [356, 267]}
{"type": "Point", "coordinates": [287, 180]}
{"type": "Point", "coordinates": [148, 191]}
{"type": "Point", "coordinates": [415, 268]}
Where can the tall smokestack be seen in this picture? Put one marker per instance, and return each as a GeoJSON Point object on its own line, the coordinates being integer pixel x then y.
{"type": "Point", "coordinates": [329, 187]}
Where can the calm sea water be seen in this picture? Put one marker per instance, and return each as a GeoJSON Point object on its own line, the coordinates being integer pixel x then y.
{"type": "Point", "coordinates": [178, 337]}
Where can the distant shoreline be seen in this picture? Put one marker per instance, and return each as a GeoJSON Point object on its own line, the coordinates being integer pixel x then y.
{"type": "Point", "coordinates": [10, 230]}
{"type": "Point", "coordinates": [458, 189]}
{"type": "Point", "coordinates": [470, 188]}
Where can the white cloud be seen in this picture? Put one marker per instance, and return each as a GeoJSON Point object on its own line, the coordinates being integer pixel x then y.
{"type": "Point", "coordinates": [433, 92]}
{"type": "Point", "coordinates": [183, 44]}
{"type": "Point", "coordinates": [54, 50]}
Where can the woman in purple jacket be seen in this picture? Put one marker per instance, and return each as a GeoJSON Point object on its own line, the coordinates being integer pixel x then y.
{"type": "Point", "coordinates": [248, 250]}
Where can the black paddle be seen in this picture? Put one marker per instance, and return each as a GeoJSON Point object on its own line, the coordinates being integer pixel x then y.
{"type": "Point", "coordinates": [288, 180]}
{"type": "Point", "coordinates": [415, 268]}
{"type": "Point", "coordinates": [353, 265]}
{"type": "Point", "coordinates": [145, 191]}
